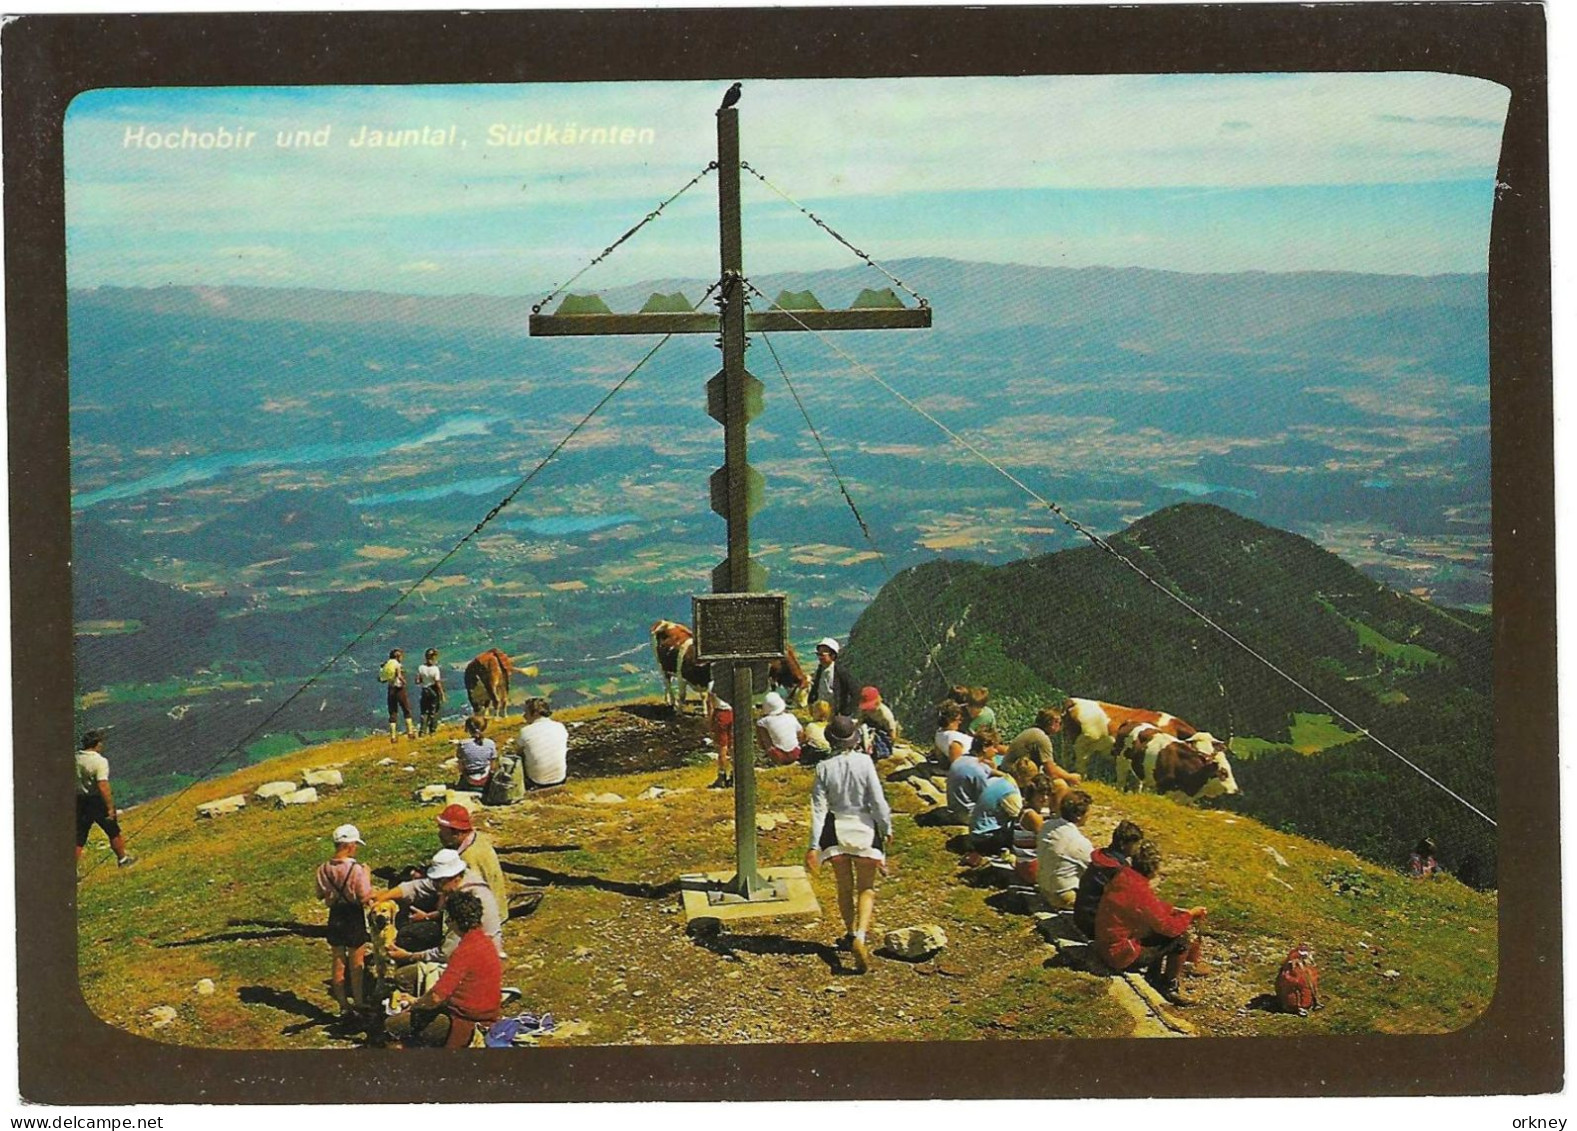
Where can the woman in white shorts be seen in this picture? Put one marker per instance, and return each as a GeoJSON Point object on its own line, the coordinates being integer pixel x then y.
{"type": "Point", "coordinates": [850, 826]}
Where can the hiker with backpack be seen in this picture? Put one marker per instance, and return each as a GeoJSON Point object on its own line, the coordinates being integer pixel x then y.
{"type": "Point", "coordinates": [344, 885]}
{"type": "Point", "coordinates": [392, 676]}
{"type": "Point", "coordinates": [1136, 928]}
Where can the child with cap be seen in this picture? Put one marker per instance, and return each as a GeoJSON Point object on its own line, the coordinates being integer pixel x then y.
{"type": "Point", "coordinates": [345, 885]}
{"type": "Point", "coordinates": [779, 732]}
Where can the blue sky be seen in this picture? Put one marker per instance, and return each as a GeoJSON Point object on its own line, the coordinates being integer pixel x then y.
{"type": "Point", "coordinates": [1389, 173]}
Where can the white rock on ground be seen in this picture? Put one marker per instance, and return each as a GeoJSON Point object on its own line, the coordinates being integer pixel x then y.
{"type": "Point", "coordinates": [471, 801]}
{"type": "Point", "coordinates": [204, 987]}
{"type": "Point", "coordinates": [323, 777]}
{"type": "Point", "coordinates": [916, 942]}
{"type": "Point", "coordinates": [223, 807]}
{"type": "Point", "coordinates": [163, 1015]}
{"type": "Point", "coordinates": [269, 790]}
{"type": "Point", "coordinates": [308, 796]}
{"type": "Point", "coordinates": [384, 762]}
{"type": "Point", "coordinates": [430, 794]}
{"type": "Point", "coordinates": [604, 799]}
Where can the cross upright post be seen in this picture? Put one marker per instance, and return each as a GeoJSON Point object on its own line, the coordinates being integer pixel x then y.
{"type": "Point", "coordinates": [734, 398]}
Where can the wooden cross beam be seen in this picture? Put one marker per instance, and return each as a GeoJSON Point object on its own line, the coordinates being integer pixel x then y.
{"type": "Point", "coordinates": [734, 399]}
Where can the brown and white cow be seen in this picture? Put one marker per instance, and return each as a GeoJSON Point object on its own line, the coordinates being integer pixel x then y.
{"type": "Point", "coordinates": [1152, 759]}
{"type": "Point", "coordinates": [786, 674]}
{"type": "Point", "coordinates": [487, 682]}
{"type": "Point", "coordinates": [1093, 727]}
{"type": "Point", "coordinates": [674, 647]}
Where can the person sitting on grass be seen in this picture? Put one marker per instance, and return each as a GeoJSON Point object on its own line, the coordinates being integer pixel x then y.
{"type": "Point", "coordinates": [1136, 928]}
{"type": "Point", "coordinates": [1063, 851]}
{"type": "Point", "coordinates": [1035, 742]}
{"type": "Point", "coordinates": [987, 745]}
{"type": "Point", "coordinates": [446, 874]}
{"type": "Point", "coordinates": [470, 991]}
{"type": "Point", "coordinates": [778, 733]}
{"type": "Point", "coordinates": [344, 885]}
{"type": "Point", "coordinates": [815, 746]}
{"type": "Point", "coordinates": [543, 745]}
{"type": "Point", "coordinates": [966, 780]}
{"type": "Point", "coordinates": [996, 810]}
{"type": "Point", "coordinates": [1026, 830]}
{"type": "Point", "coordinates": [478, 756]}
{"type": "Point", "coordinates": [456, 831]}
{"type": "Point", "coordinates": [1421, 865]}
{"type": "Point", "coordinates": [879, 726]}
{"type": "Point", "coordinates": [1104, 864]}
{"type": "Point", "coordinates": [950, 742]}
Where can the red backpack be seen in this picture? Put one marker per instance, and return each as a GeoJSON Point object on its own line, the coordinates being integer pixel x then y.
{"type": "Point", "coordinates": [1298, 981]}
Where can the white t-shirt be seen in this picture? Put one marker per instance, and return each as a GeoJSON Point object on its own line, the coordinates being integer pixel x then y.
{"type": "Point", "coordinates": [429, 674]}
{"type": "Point", "coordinates": [946, 738]}
{"type": "Point", "coordinates": [92, 768]}
{"type": "Point", "coordinates": [544, 749]}
{"type": "Point", "coordinates": [783, 729]}
{"type": "Point", "coordinates": [1064, 853]}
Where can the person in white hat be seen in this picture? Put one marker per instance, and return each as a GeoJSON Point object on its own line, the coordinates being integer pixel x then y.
{"type": "Point", "coordinates": [778, 732]}
{"type": "Point", "coordinates": [445, 873]}
{"type": "Point", "coordinates": [344, 885]}
{"type": "Point", "coordinates": [832, 682]}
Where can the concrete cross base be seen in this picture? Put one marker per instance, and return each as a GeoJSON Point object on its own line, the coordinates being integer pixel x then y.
{"type": "Point", "coordinates": [705, 899]}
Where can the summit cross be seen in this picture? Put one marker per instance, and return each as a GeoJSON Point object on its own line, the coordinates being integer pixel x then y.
{"type": "Point", "coordinates": [734, 398]}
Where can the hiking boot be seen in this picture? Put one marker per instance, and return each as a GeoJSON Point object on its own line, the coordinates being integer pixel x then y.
{"type": "Point", "coordinates": [126, 861]}
{"type": "Point", "coordinates": [1173, 993]}
{"type": "Point", "coordinates": [862, 955]}
{"type": "Point", "coordinates": [720, 782]}
{"type": "Point", "coordinates": [845, 941]}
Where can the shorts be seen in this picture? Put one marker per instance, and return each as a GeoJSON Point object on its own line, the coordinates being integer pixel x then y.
{"type": "Point", "coordinates": [347, 926]}
{"type": "Point", "coordinates": [783, 757]}
{"type": "Point", "coordinates": [829, 846]}
{"type": "Point", "coordinates": [723, 721]}
{"type": "Point", "coordinates": [91, 811]}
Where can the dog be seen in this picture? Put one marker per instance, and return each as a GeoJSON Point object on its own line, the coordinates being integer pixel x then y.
{"type": "Point", "coordinates": [380, 920]}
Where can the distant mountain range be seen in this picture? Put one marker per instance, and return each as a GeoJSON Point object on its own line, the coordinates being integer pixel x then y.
{"type": "Point", "coordinates": [971, 297]}
{"type": "Point", "coordinates": [1081, 623]}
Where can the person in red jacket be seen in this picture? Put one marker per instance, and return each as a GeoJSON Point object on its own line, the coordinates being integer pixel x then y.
{"type": "Point", "coordinates": [470, 992]}
{"type": "Point", "coordinates": [1135, 927]}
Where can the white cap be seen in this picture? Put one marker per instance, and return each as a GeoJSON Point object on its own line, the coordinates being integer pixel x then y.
{"type": "Point", "coordinates": [773, 702]}
{"type": "Point", "coordinates": [348, 834]}
{"type": "Point", "coordinates": [829, 642]}
{"type": "Point", "coordinates": [445, 863]}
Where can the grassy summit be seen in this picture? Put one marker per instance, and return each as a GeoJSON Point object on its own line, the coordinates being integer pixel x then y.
{"type": "Point", "coordinates": [231, 900]}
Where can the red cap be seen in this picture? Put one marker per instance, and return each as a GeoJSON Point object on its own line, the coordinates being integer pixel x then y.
{"type": "Point", "coordinates": [869, 697]}
{"type": "Point", "coordinates": [456, 817]}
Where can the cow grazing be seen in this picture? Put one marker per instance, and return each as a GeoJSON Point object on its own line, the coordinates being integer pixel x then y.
{"type": "Point", "coordinates": [1093, 726]}
{"type": "Point", "coordinates": [787, 675]}
{"type": "Point", "coordinates": [1152, 759]}
{"type": "Point", "coordinates": [487, 683]}
{"type": "Point", "coordinates": [674, 646]}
